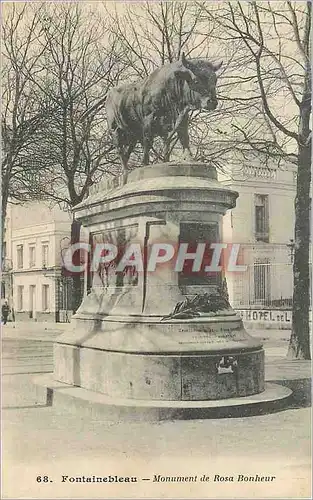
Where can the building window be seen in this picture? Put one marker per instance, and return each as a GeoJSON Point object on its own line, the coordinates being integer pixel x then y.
{"type": "Point", "coordinates": [262, 281]}
{"type": "Point", "coordinates": [261, 217]}
{"type": "Point", "coordinates": [45, 297]}
{"type": "Point", "coordinates": [45, 254]}
{"type": "Point", "coordinates": [32, 256]}
{"type": "Point", "coordinates": [20, 293]}
{"type": "Point", "coordinates": [20, 263]}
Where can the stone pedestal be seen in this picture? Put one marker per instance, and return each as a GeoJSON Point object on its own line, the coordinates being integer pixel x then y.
{"type": "Point", "coordinates": [124, 343]}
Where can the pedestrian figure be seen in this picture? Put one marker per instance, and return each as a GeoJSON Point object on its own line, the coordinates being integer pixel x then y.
{"type": "Point", "coordinates": [5, 312]}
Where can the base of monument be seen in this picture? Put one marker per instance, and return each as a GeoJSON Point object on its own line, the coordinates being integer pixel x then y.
{"type": "Point", "coordinates": [145, 358]}
{"type": "Point", "coordinates": [171, 377]}
{"type": "Point", "coordinates": [95, 405]}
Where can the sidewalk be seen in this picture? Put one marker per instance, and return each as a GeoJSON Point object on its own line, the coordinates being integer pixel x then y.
{"type": "Point", "coordinates": [33, 331]}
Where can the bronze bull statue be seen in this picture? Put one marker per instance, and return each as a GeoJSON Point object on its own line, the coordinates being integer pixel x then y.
{"type": "Point", "coordinates": [158, 106]}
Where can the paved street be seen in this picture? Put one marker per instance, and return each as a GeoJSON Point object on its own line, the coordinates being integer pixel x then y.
{"type": "Point", "coordinates": [41, 440]}
{"type": "Point", "coordinates": [26, 356]}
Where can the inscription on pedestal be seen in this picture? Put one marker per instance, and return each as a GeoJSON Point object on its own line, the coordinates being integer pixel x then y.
{"type": "Point", "coordinates": [216, 335]}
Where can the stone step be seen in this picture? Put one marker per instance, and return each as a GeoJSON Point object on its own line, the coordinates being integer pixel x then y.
{"type": "Point", "coordinates": [94, 405]}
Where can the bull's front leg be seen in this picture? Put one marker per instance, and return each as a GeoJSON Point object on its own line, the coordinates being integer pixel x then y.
{"type": "Point", "coordinates": [181, 128]}
{"type": "Point", "coordinates": [183, 136]}
{"type": "Point", "coordinates": [147, 139]}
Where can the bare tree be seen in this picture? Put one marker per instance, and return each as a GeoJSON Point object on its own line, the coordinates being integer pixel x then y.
{"type": "Point", "coordinates": [23, 110]}
{"type": "Point", "coordinates": [78, 67]}
{"type": "Point", "coordinates": [274, 42]}
{"type": "Point", "coordinates": [154, 34]}
{"type": "Point", "coordinates": [61, 62]}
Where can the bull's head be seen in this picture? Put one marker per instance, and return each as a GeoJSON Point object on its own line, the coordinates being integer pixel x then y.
{"type": "Point", "coordinates": [201, 78]}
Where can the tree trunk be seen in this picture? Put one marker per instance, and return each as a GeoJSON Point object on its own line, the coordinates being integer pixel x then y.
{"type": "Point", "coordinates": [77, 281]}
{"type": "Point", "coordinates": [4, 204]}
{"type": "Point", "coordinates": [299, 345]}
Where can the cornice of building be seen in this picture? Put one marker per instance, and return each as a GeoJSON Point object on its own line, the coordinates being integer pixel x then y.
{"type": "Point", "coordinates": [37, 270]}
{"type": "Point", "coordinates": [25, 234]}
{"type": "Point", "coordinates": [234, 184]}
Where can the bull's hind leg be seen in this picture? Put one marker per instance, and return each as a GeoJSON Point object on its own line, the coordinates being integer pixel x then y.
{"type": "Point", "coordinates": [124, 148]}
{"type": "Point", "coordinates": [121, 153]}
{"type": "Point", "coordinates": [118, 143]}
{"type": "Point", "coordinates": [126, 154]}
{"type": "Point", "coordinates": [130, 149]}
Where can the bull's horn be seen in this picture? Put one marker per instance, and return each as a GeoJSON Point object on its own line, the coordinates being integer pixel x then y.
{"type": "Point", "coordinates": [217, 66]}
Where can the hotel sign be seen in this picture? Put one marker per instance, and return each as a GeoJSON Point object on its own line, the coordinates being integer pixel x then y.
{"type": "Point", "coordinates": [266, 315]}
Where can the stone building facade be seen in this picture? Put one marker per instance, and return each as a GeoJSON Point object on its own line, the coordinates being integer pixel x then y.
{"type": "Point", "coordinates": [34, 235]}
{"type": "Point", "coordinates": [263, 224]}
